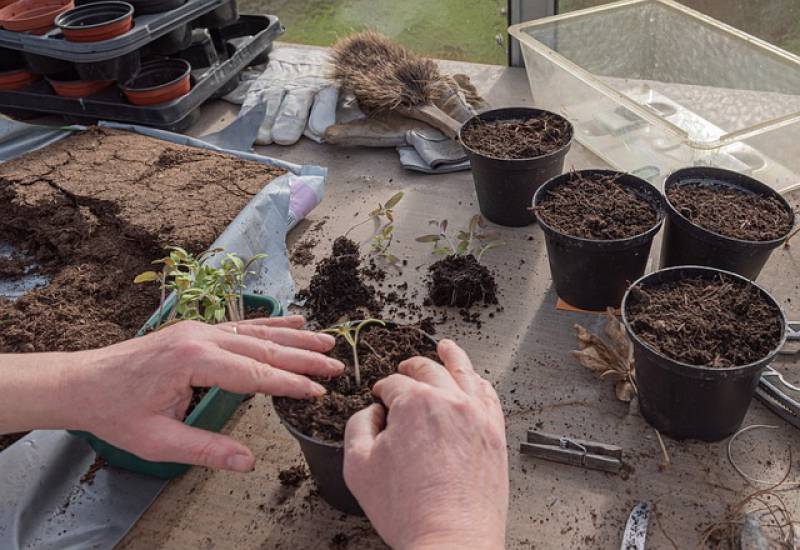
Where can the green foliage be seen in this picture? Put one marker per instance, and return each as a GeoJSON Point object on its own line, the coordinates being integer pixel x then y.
{"type": "Point", "coordinates": [382, 240]}
{"type": "Point", "coordinates": [350, 331]}
{"type": "Point", "coordinates": [203, 293]}
{"type": "Point", "coordinates": [472, 241]}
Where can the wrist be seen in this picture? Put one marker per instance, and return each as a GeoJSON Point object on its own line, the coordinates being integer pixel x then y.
{"type": "Point", "coordinates": [456, 541]}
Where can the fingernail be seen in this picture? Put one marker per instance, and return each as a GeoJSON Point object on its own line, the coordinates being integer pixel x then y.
{"type": "Point", "coordinates": [336, 365]}
{"type": "Point", "coordinates": [317, 390]}
{"type": "Point", "coordinates": [240, 463]}
{"type": "Point", "coordinates": [326, 340]}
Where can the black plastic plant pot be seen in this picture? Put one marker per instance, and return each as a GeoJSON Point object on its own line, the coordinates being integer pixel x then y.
{"type": "Point", "coordinates": [174, 41]}
{"type": "Point", "coordinates": [686, 243]}
{"type": "Point", "coordinates": [120, 68]}
{"type": "Point", "coordinates": [43, 65]}
{"type": "Point", "coordinates": [225, 15]}
{"type": "Point", "coordinates": [505, 187]}
{"type": "Point", "coordinates": [11, 60]}
{"type": "Point", "coordinates": [688, 401]}
{"type": "Point", "coordinates": [201, 52]}
{"type": "Point", "coordinates": [594, 274]}
{"type": "Point", "coordinates": [325, 459]}
{"type": "Point", "coordinates": [145, 7]}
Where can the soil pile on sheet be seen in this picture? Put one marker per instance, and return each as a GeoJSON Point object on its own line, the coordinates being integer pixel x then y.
{"type": "Point", "coordinates": [518, 139]}
{"type": "Point", "coordinates": [731, 212]}
{"type": "Point", "coordinates": [337, 289]}
{"type": "Point", "coordinates": [598, 208]}
{"type": "Point", "coordinates": [460, 281]}
{"type": "Point", "coordinates": [6, 440]}
{"type": "Point", "coordinates": [294, 476]}
{"type": "Point", "coordinates": [718, 323]}
{"type": "Point", "coordinates": [380, 351]}
{"type": "Point", "coordinates": [93, 211]}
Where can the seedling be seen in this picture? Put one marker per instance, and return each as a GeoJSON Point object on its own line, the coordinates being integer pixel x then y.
{"type": "Point", "coordinates": [473, 241]}
{"type": "Point", "coordinates": [382, 240]}
{"type": "Point", "coordinates": [203, 293]}
{"type": "Point", "coordinates": [350, 331]}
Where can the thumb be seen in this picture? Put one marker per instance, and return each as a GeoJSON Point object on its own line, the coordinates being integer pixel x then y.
{"type": "Point", "coordinates": [169, 440]}
{"type": "Point", "coordinates": [362, 429]}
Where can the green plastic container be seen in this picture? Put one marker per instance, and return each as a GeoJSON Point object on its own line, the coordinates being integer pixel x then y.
{"type": "Point", "coordinates": [211, 413]}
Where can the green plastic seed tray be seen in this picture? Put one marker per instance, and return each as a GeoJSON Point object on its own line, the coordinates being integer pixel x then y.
{"type": "Point", "coordinates": [213, 411]}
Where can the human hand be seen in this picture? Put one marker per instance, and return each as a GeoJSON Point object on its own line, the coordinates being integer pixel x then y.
{"type": "Point", "coordinates": [134, 395]}
{"type": "Point", "coordinates": [433, 473]}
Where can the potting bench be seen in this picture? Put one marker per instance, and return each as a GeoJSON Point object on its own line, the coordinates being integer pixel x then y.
{"type": "Point", "coordinates": [523, 351]}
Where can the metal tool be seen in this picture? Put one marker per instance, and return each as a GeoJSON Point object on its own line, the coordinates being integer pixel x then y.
{"type": "Point", "coordinates": [575, 452]}
{"type": "Point", "coordinates": [773, 389]}
{"type": "Point", "coordinates": [635, 534]}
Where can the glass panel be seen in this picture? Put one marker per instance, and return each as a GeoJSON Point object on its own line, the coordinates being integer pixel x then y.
{"type": "Point", "coordinates": [776, 21]}
{"type": "Point", "coordinates": [465, 30]}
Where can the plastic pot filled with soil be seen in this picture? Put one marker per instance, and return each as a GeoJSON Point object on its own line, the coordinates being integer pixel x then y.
{"type": "Point", "coordinates": [701, 338]}
{"type": "Point", "coordinates": [159, 81]}
{"type": "Point", "coordinates": [512, 152]}
{"type": "Point", "coordinates": [318, 425]}
{"type": "Point", "coordinates": [96, 21]}
{"type": "Point", "coordinates": [33, 16]}
{"type": "Point", "coordinates": [209, 410]}
{"type": "Point", "coordinates": [599, 227]}
{"type": "Point", "coordinates": [722, 219]}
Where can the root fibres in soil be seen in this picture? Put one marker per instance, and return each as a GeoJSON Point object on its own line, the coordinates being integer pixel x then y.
{"type": "Point", "coordinates": [337, 289]}
{"type": "Point", "coordinates": [381, 350]}
{"type": "Point", "coordinates": [720, 323]}
{"type": "Point", "coordinates": [731, 212]}
{"type": "Point", "coordinates": [597, 207]}
{"type": "Point", "coordinates": [460, 281]}
{"type": "Point", "coordinates": [518, 139]}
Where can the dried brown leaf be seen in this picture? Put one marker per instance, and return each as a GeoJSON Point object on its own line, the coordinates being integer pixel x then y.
{"type": "Point", "coordinates": [590, 359]}
{"type": "Point", "coordinates": [619, 339]}
{"type": "Point", "coordinates": [625, 391]}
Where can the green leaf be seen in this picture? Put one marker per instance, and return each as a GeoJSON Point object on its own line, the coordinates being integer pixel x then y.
{"type": "Point", "coordinates": [146, 277]}
{"type": "Point", "coordinates": [462, 247]}
{"type": "Point", "coordinates": [392, 202]}
{"type": "Point", "coordinates": [442, 251]}
{"type": "Point", "coordinates": [473, 223]}
{"type": "Point", "coordinates": [428, 239]}
{"type": "Point", "coordinates": [389, 215]}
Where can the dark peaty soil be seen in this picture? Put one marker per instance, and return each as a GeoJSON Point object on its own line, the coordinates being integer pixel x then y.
{"type": "Point", "coordinates": [6, 440]}
{"type": "Point", "coordinates": [93, 211]}
{"type": "Point", "coordinates": [380, 351]}
{"type": "Point", "coordinates": [732, 212]}
{"type": "Point", "coordinates": [303, 254]}
{"type": "Point", "coordinates": [718, 323]}
{"type": "Point", "coordinates": [460, 281]}
{"type": "Point", "coordinates": [518, 139]}
{"type": "Point", "coordinates": [337, 289]}
{"type": "Point", "coordinates": [293, 476]}
{"type": "Point", "coordinates": [597, 208]}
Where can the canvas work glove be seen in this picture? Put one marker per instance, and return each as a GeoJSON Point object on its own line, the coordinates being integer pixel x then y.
{"type": "Point", "coordinates": [298, 95]}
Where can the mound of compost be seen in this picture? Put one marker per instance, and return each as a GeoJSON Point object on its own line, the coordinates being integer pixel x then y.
{"type": "Point", "coordinates": [460, 281]}
{"type": "Point", "coordinates": [337, 289]}
{"type": "Point", "coordinates": [597, 207]}
{"type": "Point", "coordinates": [381, 350]}
{"type": "Point", "coordinates": [517, 139]}
{"type": "Point", "coordinates": [718, 323]}
{"type": "Point", "coordinates": [731, 212]}
{"type": "Point", "coordinates": [93, 211]}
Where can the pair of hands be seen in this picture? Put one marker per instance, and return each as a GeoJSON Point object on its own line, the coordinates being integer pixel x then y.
{"type": "Point", "coordinates": [431, 473]}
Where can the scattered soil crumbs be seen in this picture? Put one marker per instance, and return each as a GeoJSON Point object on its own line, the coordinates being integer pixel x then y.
{"type": "Point", "coordinates": [380, 351]}
{"type": "Point", "coordinates": [94, 210]}
{"type": "Point", "coordinates": [732, 212]}
{"type": "Point", "coordinates": [337, 289]}
{"type": "Point", "coordinates": [11, 268]}
{"type": "Point", "coordinates": [339, 541]}
{"type": "Point", "coordinates": [98, 464]}
{"type": "Point", "coordinates": [718, 323]}
{"type": "Point", "coordinates": [302, 254]}
{"type": "Point", "coordinates": [460, 281]}
{"type": "Point", "coordinates": [6, 440]}
{"type": "Point", "coordinates": [294, 476]}
{"type": "Point", "coordinates": [518, 139]}
{"type": "Point", "coordinates": [597, 207]}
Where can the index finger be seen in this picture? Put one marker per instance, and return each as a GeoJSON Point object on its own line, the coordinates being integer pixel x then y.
{"type": "Point", "coordinates": [458, 364]}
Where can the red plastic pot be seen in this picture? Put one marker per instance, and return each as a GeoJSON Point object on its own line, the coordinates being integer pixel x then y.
{"type": "Point", "coordinates": [33, 16]}
{"type": "Point", "coordinates": [16, 80]}
{"type": "Point", "coordinates": [96, 22]}
{"type": "Point", "coordinates": [159, 81]}
{"type": "Point", "coordinates": [78, 88]}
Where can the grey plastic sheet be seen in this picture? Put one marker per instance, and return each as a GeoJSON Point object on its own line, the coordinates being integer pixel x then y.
{"type": "Point", "coordinates": [43, 504]}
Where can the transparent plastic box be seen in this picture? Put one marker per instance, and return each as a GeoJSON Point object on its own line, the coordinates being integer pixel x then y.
{"type": "Point", "coordinates": [652, 86]}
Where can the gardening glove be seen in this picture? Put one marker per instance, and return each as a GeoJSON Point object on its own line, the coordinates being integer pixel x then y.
{"type": "Point", "coordinates": [299, 96]}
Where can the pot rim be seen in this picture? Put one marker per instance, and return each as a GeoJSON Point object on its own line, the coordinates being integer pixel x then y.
{"type": "Point", "coordinates": [701, 270]}
{"type": "Point", "coordinates": [339, 444]}
{"type": "Point", "coordinates": [673, 179]}
{"type": "Point", "coordinates": [151, 65]}
{"type": "Point", "coordinates": [661, 213]}
{"type": "Point", "coordinates": [533, 111]}
{"type": "Point", "coordinates": [89, 8]}
{"type": "Point", "coordinates": [38, 10]}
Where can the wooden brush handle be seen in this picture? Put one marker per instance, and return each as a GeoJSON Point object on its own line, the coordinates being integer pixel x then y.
{"type": "Point", "coordinates": [435, 117]}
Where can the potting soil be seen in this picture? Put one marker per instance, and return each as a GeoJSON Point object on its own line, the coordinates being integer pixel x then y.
{"type": "Point", "coordinates": [460, 281]}
{"type": "Point", "coordinates": [598, 208]}
{"type": "Point", "coordinates": [93, 211]}
{"type": "Point", "coordinates": [380, 351]}
{"type": "Point", "coordinates": [518, 139]}
{"type": "Point", "coordinates": [731, 212]}
{"type": "Point", "coordinates": [719, 323]}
